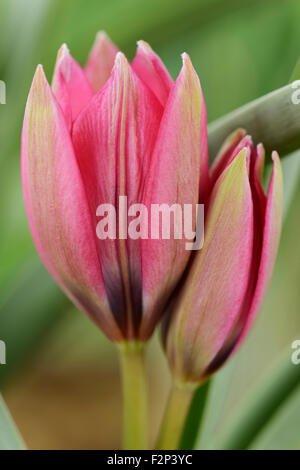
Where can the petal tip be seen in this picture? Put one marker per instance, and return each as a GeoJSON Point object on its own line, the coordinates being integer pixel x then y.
{"type": "Point", "coordinates": [187, 69]}
{"type": "Point", "coordinates": [102, 44]}
{"type": "Point", "coordinates": [39, 71]}
{"type": "Point", "coordinates": [121, 61]}
{"type": "Point", "coordinates": [100, 61]}
{"type": "Point", "coordinates": [277, 168]}
{"type": "Point", "coordinates": [102, 37]}
{"type": "Point", "coordinates": [144, 46]}
{"type": "Point", "coordinates": [40, 95]}
{"type": "Point", "coordinates": [39, 78]}
{"type": "Point", "coordinates": [63, 51]}
{"type": "Point", "coordinates": [38, 86]}
{"type": "Point", "coordinates": [186, 60]}
{"type": "Point", "coordinates": [276, 163]}
{"type": "Point", "coordinates": [275, 157]}
{"type": "Point", "coordinates": [240, 131]}
{"type": "Point", "coordinates": [260, 148]}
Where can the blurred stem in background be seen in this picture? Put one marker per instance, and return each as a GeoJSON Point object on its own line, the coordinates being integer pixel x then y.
{"type": "Point", "coordinates": [134, 389]}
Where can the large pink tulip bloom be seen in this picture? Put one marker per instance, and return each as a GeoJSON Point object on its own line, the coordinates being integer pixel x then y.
{"type": "Point", "coordinates": [227, 279]}
{"type": "Point", "coordinates": [108, 130]}
{"type": "Point", "coordinates": [117, 129]}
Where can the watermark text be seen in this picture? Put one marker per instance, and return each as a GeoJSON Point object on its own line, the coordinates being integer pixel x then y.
{"type": "Point", "coordinates": [2, 92]}
{"type": "Point", "coordinates": [157, 222]}
{"type": "Point", "coordinates": [2, 352]}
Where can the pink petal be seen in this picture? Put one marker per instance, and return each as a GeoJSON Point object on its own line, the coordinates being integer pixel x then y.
{"type": "Point", "coordinates": [151, 70]}
{"type": "Point", "coordinates": [179, 172]}
{"type": "Point", "coordinates": [271, 237]}
{"type": "Point", "coordinates": [57, 208]}
{"type": "Point", "coordinates": [70, 85]}
{"type": "Point", "coordinates": [230, 148]}
{"type": "Point", "coordinates": [114, 138]}
{"type": "Point", "coordinates": [101, 61]}
{"type": "Point", "coordinates": [259, 204]}
{"type": "Point", "coordinates": [216, 284]}
{"type": "Point", "coordinates": [258, 179]}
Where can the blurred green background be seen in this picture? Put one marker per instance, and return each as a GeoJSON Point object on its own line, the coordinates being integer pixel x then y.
{"type": "Point", "coordinates": [61, 378]}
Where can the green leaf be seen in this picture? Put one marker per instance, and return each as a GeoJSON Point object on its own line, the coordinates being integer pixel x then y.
{"type": "Point", "coordinates": [272, 119]}
{"type": "Point", "coordinates": [10, 438]}
{"type": "Point", "coordinates": [283, 431]}
{"type": "Point", "coordinates": [218, 393]}
{"type": "Point", "coordinates": [260, 405]}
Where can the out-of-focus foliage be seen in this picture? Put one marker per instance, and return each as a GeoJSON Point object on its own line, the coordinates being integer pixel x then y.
{"type": "Point", "coordinates": [241, 51]}
{"type": "Point", "coordinates": [9, 436]}
{"type": "Point", "coordinates": [283, 430]}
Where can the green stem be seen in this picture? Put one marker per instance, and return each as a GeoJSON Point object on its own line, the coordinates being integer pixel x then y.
{"type": "Point", "coordinates": [195, 417]}
{"type": "Point", "coordinates": [134, 396]}
{"type": "Point", "coordinates": [174, 418]}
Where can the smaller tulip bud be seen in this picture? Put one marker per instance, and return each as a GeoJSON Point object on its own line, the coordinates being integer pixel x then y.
{"type": "Point", "coordinates": [227, 279]}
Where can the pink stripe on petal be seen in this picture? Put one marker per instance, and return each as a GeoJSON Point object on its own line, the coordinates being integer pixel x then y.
{"type": "Point", "coordinates": [258, 178]}
{"type": "Point", "coordinates": [57, 208]}
{"type": "Point", "coordinates": [151, 70]}
{"type": "Point", "coordinates": [101, 61]}
{"type": "Point", "coordinates": [70, 85]}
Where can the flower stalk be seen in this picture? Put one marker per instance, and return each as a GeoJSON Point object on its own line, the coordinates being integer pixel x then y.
{"type": "Point", "coordinates": [134, 389]}
{"type": "Point", "coordinates": [174, 418]}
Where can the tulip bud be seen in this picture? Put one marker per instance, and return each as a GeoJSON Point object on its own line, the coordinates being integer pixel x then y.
{"type": "Point", "coordinates": [227, 279]}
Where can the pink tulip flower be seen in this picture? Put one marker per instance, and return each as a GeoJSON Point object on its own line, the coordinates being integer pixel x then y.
{"type": "Point", "coordinates": [226, 281]}
{"type": "Point", "coordinates": [112, 129]}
